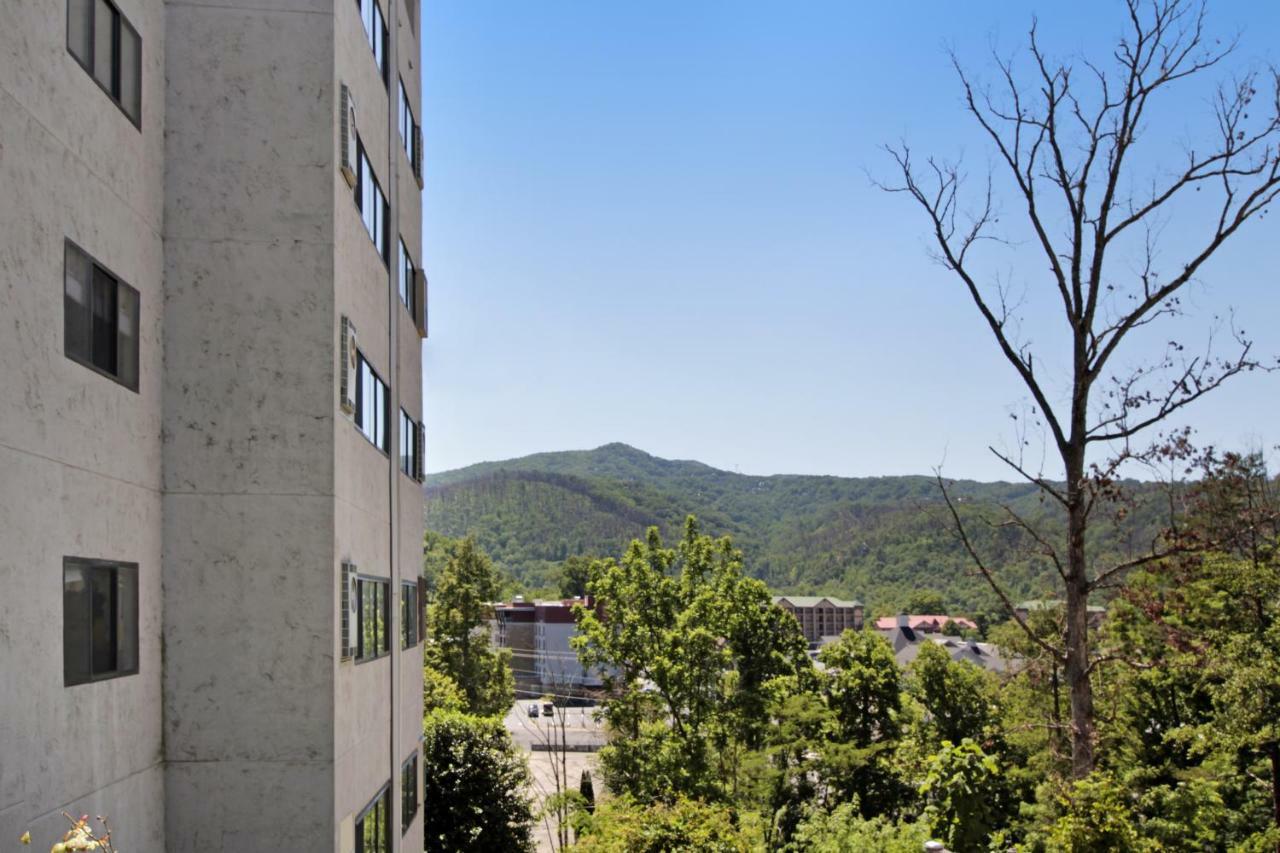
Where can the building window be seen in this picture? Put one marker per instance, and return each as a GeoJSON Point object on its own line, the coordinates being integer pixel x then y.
{"type": "Point", "coordinates": [408, 791]}
{"type": "Point", "coordinates": [408, 614]}
{"type": "Point", "coordinates": [100, 318]}
{"type": "Point", "coordinates": [375, 31]}
{"type": "Point", "coordinates": [373, 616]}
{"type": "Point", "coordinates": [410, 446]}
{"type": "Point", "coordinates": [372, 203]}
{"type": "Point", "coordinates": [404, 264]}
{"type": "Point", "coordinates": [408, 128]}
{"type": "Point", "coordinates": [371, 826]}
{"type": "Point", "coordinates": [99, 620]}
{"type": "Point", "coordinates": [107, 46]}
{"type": "Point", "coordinates": [371, 405]}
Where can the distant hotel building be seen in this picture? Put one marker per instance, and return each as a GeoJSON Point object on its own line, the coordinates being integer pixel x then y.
{"type": "Point", "coordinates": [210, 509]}
{"type": "Point", "coordinates": [538, 635]}
{"type": "Point", "coordinates": [820, 616]}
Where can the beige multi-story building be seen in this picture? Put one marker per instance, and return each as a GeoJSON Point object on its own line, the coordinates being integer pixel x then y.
{"type": "Point", "coordinates": [822, 616]}
{"type": "Point", "coordinates": [210, 422]}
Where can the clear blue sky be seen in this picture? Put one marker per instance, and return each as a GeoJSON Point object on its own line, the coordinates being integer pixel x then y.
{"type": "Point", "coordinates": [652, 223]}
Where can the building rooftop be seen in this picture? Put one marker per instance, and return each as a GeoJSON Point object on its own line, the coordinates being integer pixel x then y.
{"type": "Point", "coordinates": [814, 601]}
{"type": "Point", "coordinates": [924, 622]}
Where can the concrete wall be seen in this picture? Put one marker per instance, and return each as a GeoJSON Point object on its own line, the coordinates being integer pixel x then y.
{"type": "Point", "coordinates": [248, 412]}
{"type": "Point", "coordinates": [80, 453]}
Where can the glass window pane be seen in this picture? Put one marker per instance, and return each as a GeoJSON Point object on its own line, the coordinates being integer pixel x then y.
{"type": "Point", "coordinates": [77, 314]}
{"type": "Point", "coordinates": [103, 43]}
{"type": "Point", "coordinates": [103, 606]}
{"type": "Point", "coordinates": [366, 18]}
{"type": "Point", "coordinates": [76, 667]}
{"type": "Point", "coordinates": [80, 28]}
{"type": "Point", "coordinates": [104, 320]}
{"type": "Point", "coordinates": [127, 335]}
{"type": "Point", "coordinates": [130, 72]}
{"type": "Point", "coordinates": [127, 619]}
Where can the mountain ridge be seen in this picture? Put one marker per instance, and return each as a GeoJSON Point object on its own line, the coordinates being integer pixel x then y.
{"type": "Point", "coordinates": [874, 538]}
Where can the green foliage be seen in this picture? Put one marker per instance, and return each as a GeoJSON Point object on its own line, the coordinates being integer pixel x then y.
{"type": "Point", "coordinates": [1095, 817]}
{"type": "Point", "coordinates": [926, 601]}
{"type": "Point", "coordinates": [624, 825]}
{"type": "Point", "coordinates": [881, 539]}
{"type": "Point", "coordinates": [475, 786]}
{"type": "Point", "coordinates": [843, 830]}
{"type": "Point", "coordinates": [440, 692]}
{"type": "Point", "coordinates": [574, 574]}
{"type": "Point", "coordinates": [966, 796]}
{"type": "Point", "coordinates": [958, 696]}
{"type": "Point", "coordinates": [458, 644]}
{"type": "Point", "coordinates": [691, 651]}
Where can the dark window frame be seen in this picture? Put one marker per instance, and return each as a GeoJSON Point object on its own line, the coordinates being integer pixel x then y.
{"type": "Point", "coordinates": [381, 638]}
{"type": "Point", "coordinates": [95, 267]}
{"type": "Point", "coordinates": [405, 269]}
{"type": "Point", "coordinates": [383, 799]}
{"type": "Point", "coordinates": [409, 451]}
{"type": "Point", "coordinates": [383, 441]}
{"type": "Point", "coordinates": [381, 213]}
{"type": "Point", "coordinates": [408, 792]}
{"type": "Point", "coordinates": [376, 30]}
{"type": "Point", "coordinates": [409, 637]}
{"type": "Point", "coordinates": [406, 124]}
{"type": "Point", "coordinates": [87, 564]}
{"type": "Point", "coordinates": [118, 23]}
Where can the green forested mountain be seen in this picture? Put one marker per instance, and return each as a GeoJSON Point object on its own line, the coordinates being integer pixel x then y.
{"type": "Point", "coordinates": [878, 539]}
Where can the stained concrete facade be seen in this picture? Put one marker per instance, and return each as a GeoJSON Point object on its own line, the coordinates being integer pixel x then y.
{"type": "Point", "coordinates": [231, 477]}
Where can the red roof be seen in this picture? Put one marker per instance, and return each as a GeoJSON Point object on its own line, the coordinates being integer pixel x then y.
{"type": "Point", "coordinates": [927, 622]}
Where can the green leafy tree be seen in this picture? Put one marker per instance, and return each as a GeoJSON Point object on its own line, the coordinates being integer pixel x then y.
{"type": "Point", "coordinates": [926, 601]}
{"type": "Point", "coordinates": [691, 651]}
{"type": "Point", "coordinates": [966, 795]}
{"type": "Point", "coordinates": [958, 696]}
{"type": "Point", "coordinates": [475, 786]}
{"type": "Point", "coordinates": [862, 686]}
{"type": "Point", "coordinates": [458, 642]}
{"type": "Point", "coordinates": [843, 830]}
{"type": "Point", "coordinates": [625, 825]}
{"type": "Point", "coordinates": [574, 574]}
{"type": "Point", "coordinates": [440, 692]}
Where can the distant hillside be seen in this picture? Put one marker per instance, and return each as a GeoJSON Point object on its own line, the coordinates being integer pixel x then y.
{"type": "Point", "coordinates": [875, 538]}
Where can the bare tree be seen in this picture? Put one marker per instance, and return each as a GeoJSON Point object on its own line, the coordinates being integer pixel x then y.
{"type": "Point", "coordinates": [1067, 139]}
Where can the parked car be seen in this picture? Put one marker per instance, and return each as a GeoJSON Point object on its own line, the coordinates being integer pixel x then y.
{"type": "Point", "coordinates": [533, 709]}
{"type": "Point", "coordinates": [548, 709]}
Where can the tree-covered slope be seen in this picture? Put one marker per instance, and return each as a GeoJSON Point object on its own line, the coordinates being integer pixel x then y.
{"type": "Point", "coordinates": [877, 539]}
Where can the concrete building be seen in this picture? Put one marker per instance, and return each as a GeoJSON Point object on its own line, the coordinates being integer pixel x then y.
{"type": "Point", "coordinates": [542, 658]}
{"type": "Point", "coordinates": [514, 629]}
{"type": "Point", "coordinates": [211, 507]}
{"type": "Point", "coordinates": [821, 616]}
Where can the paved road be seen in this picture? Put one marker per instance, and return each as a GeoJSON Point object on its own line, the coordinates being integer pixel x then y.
{"type": "Point", "coordinates": [581, 729]}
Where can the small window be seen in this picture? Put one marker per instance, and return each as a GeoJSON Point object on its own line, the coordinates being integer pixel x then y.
{"type": "Point", "coordinates": [408, 137]}
{"type": "Point", "coordinates": [100, 318]}
{"type": "Point", "coordinates": [408, 614]}
{"type": "Point", "coordinates": [408, 791]}
{"type": "Point", "coordinates": [410, 452]}
{"type": "Point", "coordinates": [372, 833]}
{"type": "Point", "coordinates": [108, 47]}
{"type": "Point", "coordinates": [372, 203]}
{"type": "Point", "coordinates": [99, 620]}
{"type": "Point", "coordinates": [375, 32]}
{"type": "Point", "coordinates": [374, 615]}
{"type": "Point", "coordinates": [371, 404]}
{"type": "Point", "coordinates": [404, 264]}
